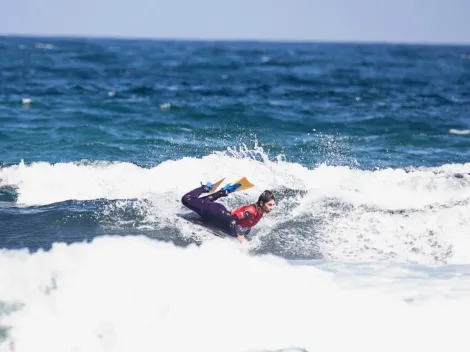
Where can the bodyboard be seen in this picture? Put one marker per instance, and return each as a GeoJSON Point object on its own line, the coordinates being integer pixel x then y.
{"type": "Point", "coordinates": [197, 220]}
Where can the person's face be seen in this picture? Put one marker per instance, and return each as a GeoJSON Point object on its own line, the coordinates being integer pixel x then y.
{"type": "Point", "coordinates": [268, 206]}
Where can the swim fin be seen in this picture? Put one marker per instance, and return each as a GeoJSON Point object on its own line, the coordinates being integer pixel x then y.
{"type": "Point", "coordinates": [216, 185]}
{"type": "Point", "coordinates": [244, 184]}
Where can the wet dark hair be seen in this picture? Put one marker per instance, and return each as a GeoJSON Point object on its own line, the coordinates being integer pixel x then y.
{"type": "Point", "coordinates": [265, 197]}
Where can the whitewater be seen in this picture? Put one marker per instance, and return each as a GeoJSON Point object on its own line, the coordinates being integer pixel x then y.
{"type": "Point", "coordinates": [350, 259]}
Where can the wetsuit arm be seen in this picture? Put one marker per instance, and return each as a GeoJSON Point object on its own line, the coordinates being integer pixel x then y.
{"type": "Point", "coordinates": [235, 230]}
{"type": "Point", "coordinates": [238, 233]}
{"type": "Point", "coordinates": [246, 215]}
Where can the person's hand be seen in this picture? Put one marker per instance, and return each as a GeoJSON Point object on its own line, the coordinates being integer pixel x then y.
{"type": "Point", "coordinates": [241, 238]}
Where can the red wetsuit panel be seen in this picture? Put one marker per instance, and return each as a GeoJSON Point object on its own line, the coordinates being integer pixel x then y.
{"type": "Point", "coordinates": [248, 215]}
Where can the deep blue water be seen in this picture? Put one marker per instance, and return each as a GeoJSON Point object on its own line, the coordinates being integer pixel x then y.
{"type": "Point", "coordinates": [66, 102]}
{"type": "Point", "coordinates": [147, 101]}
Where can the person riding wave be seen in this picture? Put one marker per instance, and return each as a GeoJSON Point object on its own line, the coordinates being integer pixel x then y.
{"type": "Point", "coordinates": [233, 222]}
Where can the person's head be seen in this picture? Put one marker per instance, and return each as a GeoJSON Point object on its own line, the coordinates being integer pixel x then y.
{"type": "Point", "coordinates": [266, 201]}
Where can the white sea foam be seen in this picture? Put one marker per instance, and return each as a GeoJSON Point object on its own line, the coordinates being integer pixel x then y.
{"type": "Point", "coordinates": [460, 132]}
{"type": "Point", "coordinates": [46, 46]}
{"type": "Point", "coordinates": [417, 216]}
{"type": "Point", "coordinates": [133, 293]}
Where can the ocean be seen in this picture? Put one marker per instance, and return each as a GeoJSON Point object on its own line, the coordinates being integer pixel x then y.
{"type": "Point", "coordinates": [366, 147]}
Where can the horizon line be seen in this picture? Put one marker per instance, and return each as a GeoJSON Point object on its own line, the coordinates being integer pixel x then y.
{"type": "Point", "coordinates": [241, 39]}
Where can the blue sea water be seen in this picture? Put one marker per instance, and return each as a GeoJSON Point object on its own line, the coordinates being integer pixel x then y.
{"type": "Point", "coordinates": [366, 147]}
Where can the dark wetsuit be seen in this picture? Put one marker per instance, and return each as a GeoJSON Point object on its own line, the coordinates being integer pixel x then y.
{"type": "Point", "coordinates": [212, 212]}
